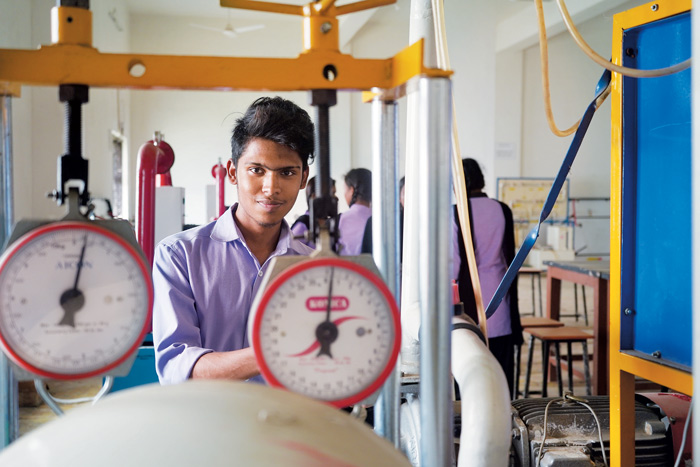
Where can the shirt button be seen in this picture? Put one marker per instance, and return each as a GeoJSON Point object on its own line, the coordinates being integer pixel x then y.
{"type": "Point", "coordinates": [260, 273]}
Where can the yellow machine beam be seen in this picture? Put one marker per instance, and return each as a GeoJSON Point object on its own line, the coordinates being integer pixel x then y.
{"type": "Point", "coordinates": [71, 59]}
{"type": "Point", "coordinates": [71, 64]}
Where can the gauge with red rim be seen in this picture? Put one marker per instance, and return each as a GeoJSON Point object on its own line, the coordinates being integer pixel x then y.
{"type": "Point", "coordinates": [75, 300]}
{"type": "Point", "coordinates": [327, 328]}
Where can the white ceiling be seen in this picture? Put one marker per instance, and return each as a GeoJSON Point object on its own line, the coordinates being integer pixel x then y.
{"type": "Point", "coordinates": [211, 8]}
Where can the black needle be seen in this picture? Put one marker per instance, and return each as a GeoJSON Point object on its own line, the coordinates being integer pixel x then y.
{"type": "Point", "coordinates": [327, 332]}
{"type": "Point", "coordinates": [72, 300]}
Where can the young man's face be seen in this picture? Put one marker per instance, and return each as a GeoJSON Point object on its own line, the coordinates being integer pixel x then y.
{"type": "Point", "coordinates": [268, 178]}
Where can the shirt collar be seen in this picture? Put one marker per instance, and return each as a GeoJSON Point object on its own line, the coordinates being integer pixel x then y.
{"type": "Point", "coordinates": [226, 230]}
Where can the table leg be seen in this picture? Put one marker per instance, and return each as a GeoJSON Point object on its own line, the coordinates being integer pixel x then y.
{"type": "Point", "coordinates": [532, 287]}
{"type": "Point", "coordinates": [539, 291]}
{"type": "Point", "coordinates": [558, 359]}
{"type": "Point", "coordinates": [516, 378]}
{"type": "Point", "coordinates": [545, 366]}
{"type": "Point", "coordinates": [570, 369]}
{"type": "Point", "coordinates": [586, 370]}
{"type": "Point", "coordinates": [553, 297]}
{"type": "Point", "coordinates": [530, 349]}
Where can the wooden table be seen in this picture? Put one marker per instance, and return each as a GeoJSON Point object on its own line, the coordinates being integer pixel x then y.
{"type": "Point", "coordinates": [594, 274]}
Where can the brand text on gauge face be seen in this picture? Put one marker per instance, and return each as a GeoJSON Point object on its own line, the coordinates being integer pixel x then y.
{"type": "Point", "coordinates": [72, 265]}
{"type": "Point", "coordinates": [338, 303]}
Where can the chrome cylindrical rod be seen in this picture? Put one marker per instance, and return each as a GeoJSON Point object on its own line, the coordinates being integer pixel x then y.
{"type": "Point", "coordinates": [6, 204]}
{"type": "Point", "coordinates": [435, 124]}
{"type": "Point", "coordinates": [386, 241]}
{"type": "Point", "coordinates": [9, 398]}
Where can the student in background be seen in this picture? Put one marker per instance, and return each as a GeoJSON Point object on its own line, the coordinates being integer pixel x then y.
{"type": "Point", "coordinates": [367, 237]}
{"type": "Point", "coordinates": [351, 227]}
{"type": "Point", "coordinates": [494, 246]}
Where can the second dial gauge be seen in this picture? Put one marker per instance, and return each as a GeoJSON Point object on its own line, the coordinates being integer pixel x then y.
{"type": "Point", "coordinates": [328, 329]}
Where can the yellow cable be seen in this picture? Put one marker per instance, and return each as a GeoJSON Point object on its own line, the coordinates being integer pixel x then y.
{"type": "Point", "coordinates": [544, 66]}
{"type": "Point", "coordinates": [626, 71]}
{"type": "Point", "coordinates": [459, 184]}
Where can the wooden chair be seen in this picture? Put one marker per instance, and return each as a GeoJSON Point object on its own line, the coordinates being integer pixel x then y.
{"type": "Point", "coordinates": [556, 336]}
{"type": "Point", "coordinates": [530, 322]}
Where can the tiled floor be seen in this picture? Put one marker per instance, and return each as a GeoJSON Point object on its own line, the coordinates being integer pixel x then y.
{"type": "Point", "coordinates": [31, 417]}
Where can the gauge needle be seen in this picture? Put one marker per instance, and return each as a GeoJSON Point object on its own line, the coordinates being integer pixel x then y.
{"type": "Point", "coordinates": [72, 300]}
{"type": "Point", "coordinates": [327, 331]}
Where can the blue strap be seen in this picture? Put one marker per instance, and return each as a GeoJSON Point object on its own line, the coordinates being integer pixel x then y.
{"type": "Point", "coordinates": [531, 237]}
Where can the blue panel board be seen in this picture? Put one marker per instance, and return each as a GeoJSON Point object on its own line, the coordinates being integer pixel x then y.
{"type": "Point", "coordinates": [656, 223]}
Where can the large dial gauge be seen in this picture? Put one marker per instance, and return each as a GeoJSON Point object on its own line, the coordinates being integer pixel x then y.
{"type": "Point", "coordinates": [327, 328]}
{"type": "Point", "coordinates": [75, 300]}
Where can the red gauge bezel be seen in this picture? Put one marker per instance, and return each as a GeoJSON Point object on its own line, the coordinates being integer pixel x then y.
{"type": "Point", "coordinates": [288, 273]}
{"type": "Point", "coordinates": [68, 225]}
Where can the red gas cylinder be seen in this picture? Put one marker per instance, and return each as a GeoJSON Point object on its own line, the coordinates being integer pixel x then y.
{"type": "Point", "coordinates": [219, 173]}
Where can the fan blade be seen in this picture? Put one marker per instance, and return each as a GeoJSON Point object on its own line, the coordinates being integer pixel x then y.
{"type": "Point", "coordinates": [243, 29]}
{"type": "Point", "coordinates": [208, 28]}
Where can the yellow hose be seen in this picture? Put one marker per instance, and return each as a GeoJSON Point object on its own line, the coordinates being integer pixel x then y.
{"type": "Point", "coordinates": [458, 181]}
{"type": "Point", "coordinates": [544, 66]}
{"type": "Point", "coordinates": [626, 71]}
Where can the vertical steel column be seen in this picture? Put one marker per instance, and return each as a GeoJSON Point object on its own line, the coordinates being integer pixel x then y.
{"type": "Point", "coordinates": [435, 124]}
{"type": "Point", "coordinates": [9, 399]}
{"type": "Point", "coordinates": [386, 241]}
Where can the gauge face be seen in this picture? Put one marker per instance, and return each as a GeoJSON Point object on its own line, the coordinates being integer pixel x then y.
{"type": "Point", "coordinates": [329, 329]}
{"type": "Point", "coordinates": [75, 300]}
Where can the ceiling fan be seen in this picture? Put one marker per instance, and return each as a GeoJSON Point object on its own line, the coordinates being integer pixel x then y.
{"type": "Point", "coordinates": [228, 30]}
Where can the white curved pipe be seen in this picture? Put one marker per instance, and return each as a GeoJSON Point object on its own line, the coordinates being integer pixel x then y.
{"type": "Point", "coordinates": [485, 439]}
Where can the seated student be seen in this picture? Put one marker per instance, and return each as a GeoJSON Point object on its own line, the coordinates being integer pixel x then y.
{"type": "Point", "coordinates": [494, 246]}
{"type": "Point", "coordinates": [301, 225]}
{"type": "Point", "coordinates": [205, 279]}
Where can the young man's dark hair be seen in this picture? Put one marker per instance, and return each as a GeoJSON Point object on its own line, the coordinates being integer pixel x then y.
{"type": "Point", "coordinates": [278, 120]}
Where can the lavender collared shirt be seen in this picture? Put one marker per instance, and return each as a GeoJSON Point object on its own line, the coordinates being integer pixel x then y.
{"type": "Point", "coordinates": [352, 228]}
{"type": "Point", "coordinates": [205, 280]}
{"type": "Point", "coordinates": [488, 226]}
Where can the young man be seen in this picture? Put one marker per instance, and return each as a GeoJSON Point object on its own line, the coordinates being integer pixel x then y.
{"type": "Point", "coordinates": [205, 279]}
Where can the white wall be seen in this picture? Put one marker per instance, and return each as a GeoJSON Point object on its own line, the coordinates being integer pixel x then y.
{"type": "Point", "coordinates": [573, 83]}
{"type": "Point", "coordinates": [38, 116]}
{"type": "Point", "coordinates": [471, 41]}
{"type": "Point", "coordinates": [520, 118]}
{"type": "Point", "coordinates": [198, 124]}
{"type": "Point", "coordinates": [498, 97]}
{"type": "Point", "coordinates": [16, 27]}
{"type": "Point", "coordinates": [384, 35]}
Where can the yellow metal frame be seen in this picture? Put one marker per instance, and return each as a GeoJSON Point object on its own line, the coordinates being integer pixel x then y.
{"type": "Point", "coordinates": [624, 367]}
{"type": "Point", "coordinates": [71, 59]}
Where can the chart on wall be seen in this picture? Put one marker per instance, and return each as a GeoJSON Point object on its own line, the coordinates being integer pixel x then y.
{"type": "Point", "coordinates": [526, 196]}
